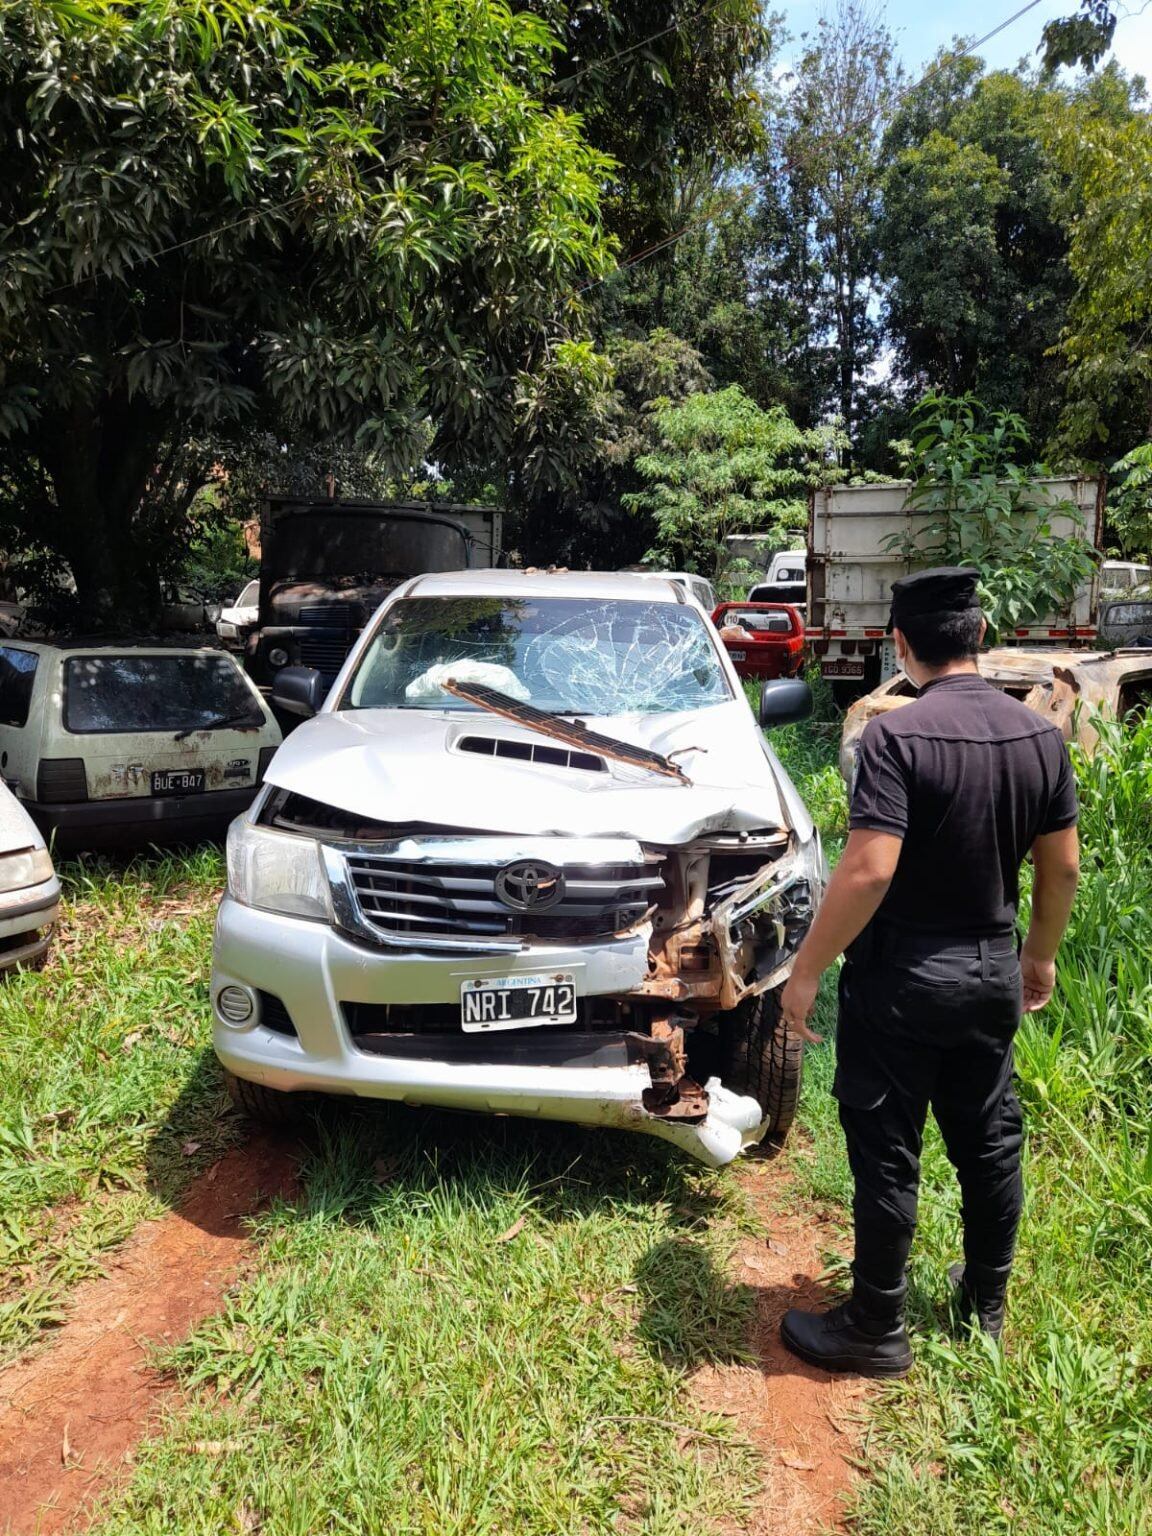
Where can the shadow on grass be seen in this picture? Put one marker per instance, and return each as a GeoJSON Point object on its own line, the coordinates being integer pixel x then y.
{"type": "Point", "coordinates": [342, 1145]}
{"type": "Point", "coordinates": [693, 1314]}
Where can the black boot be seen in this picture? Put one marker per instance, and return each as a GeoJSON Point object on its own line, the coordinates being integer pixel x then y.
{"type": "Point", "coordinates": [980, 1296]}
{"type": "Point", "coordinates": [864, 1334]}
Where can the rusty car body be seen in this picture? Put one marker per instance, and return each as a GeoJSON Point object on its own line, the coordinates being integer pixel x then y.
{"type": "Point", "coordinates": [1066, 687]}
{"type": "Point", "coordinates": [532, 856]}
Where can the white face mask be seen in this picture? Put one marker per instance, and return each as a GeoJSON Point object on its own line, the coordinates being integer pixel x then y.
{"type": "Point", "coordinates": [903, 663]}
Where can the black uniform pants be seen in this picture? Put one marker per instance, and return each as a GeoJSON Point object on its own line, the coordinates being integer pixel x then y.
{"type": "Point", "coordinates": [929, 1024]}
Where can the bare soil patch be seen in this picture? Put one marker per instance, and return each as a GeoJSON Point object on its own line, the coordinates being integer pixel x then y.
{"type": "Point", "coordinates": [70, 1414]}
{"type": "Point", "coordinates": [806, 1423]}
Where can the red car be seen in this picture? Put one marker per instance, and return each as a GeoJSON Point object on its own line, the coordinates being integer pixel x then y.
{"type": "Point", "coordinates": [764, 640]}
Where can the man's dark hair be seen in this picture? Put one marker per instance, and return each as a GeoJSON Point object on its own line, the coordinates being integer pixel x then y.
{"type": "Point", "coordinates": [939, 638]}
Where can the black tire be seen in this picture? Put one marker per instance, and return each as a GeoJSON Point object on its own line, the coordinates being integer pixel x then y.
{"type": "Point", "coordinates": [267, 1105]}
{"type": "Point", "coordinates": [765, 1059]}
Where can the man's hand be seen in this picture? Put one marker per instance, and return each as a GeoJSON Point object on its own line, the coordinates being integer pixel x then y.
{"type": "Point", "coordinates": [1039, 977]}
{"type": "Point", "coordinates": [797, 1002]}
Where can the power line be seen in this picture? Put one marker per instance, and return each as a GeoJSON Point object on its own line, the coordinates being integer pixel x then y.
{"type": "Point", "coordinates": [708, 217]}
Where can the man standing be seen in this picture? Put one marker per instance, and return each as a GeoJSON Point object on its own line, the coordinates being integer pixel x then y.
{"type": "Point", "coordinates": [950, 794]}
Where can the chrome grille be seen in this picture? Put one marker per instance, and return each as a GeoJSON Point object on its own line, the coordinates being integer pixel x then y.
{"type": "Point", "coordinates": [415, 899]}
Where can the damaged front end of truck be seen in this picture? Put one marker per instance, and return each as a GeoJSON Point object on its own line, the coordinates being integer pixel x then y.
{"type": "Point", "coordinates": [449, 895]}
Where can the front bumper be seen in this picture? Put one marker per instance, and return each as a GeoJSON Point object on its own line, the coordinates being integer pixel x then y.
{"type": "Point", "coordinates": [584, 1077]}
{"type": "Point", "coordinates": [27, 918]}
{"type": "Point", "coordinates": [140, 818]}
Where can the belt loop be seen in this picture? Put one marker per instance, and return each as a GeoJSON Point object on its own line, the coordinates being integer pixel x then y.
{"type": "Point", "coordinates": [985, 961]}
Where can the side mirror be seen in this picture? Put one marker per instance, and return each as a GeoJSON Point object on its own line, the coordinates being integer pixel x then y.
{"type": "Point", "coordinates": [784, 701]}
{"type": "Point", "coordinates": [299, 690]}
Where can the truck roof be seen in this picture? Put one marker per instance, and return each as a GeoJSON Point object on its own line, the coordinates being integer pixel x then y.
{"type": "Point", "coordinates": [624, 586]}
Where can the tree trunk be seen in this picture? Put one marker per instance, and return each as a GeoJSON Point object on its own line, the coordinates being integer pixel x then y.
{"type": "Point", "coordinates": [99, 455]}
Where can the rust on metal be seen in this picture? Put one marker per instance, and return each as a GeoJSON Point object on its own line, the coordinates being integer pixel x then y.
{"type": "Point", "coordinates": [571, 732]}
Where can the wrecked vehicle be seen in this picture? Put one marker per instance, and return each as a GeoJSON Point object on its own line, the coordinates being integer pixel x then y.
{"type": "Point", "coordinates": [29, 888]}
{"type": "Point", "coordinates": [764, 640]}
{"type": "Point", "coordinates": [532, 856]}
{"type": "Point", "coordinates": [108, 744]}
{"type": "Point", "coordinates": [1067, 687]}
{"type": "Point", "coordinates": [326, 566]}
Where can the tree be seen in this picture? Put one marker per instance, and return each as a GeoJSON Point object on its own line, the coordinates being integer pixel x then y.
{"type": "Point", "coordinates": [826, 165]}
{"type": "Point", "coordinates": [973, 251]}
{"type": "Point", "coordinates": [1104, 146]}
{"type": "Point", "coordinates": [1130, 503]}
{"type": "Point", "coordinates": [352, 221]}
{"type": "Point", "coordinates": [666, 91]}
{"type": "Point", "coordinates": [723, 466]}
{"type": "Point", "coordinates": [583, 522]}
{"type": "Point", "coordinates": [1080, 39]}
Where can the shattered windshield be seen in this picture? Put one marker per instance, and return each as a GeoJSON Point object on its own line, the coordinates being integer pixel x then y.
{"type": "Point", "coordinates": [146, 692]}
{"type": "Point", "coordinates": [566, 655]}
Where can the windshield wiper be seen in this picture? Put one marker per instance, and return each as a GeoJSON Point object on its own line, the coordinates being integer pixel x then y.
{"type": "Point", "coordinates": [241, 717]}
{"type": "Point", "coordinates": [572, 732]}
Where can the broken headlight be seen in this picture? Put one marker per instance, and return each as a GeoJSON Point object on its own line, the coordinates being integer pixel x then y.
{"type": "Point", "coordinates": [277, 872]}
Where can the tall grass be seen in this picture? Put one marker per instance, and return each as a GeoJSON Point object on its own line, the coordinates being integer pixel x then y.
{"type": "Point", "coordinates": [1049, 1437]}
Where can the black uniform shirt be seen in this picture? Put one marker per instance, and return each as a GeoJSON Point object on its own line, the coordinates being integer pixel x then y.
{"type": "Point", "coordinates": [969, 779]}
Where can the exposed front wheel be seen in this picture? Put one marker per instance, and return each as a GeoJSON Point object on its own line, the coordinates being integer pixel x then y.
{"type": "Point", "coordinates": [762, 1057]}
{"type": "Point", "coordinates": [267, 1105]}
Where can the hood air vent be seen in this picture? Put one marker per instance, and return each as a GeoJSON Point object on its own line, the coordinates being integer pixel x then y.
{"type": "Point", "coordinates": [533, 752]}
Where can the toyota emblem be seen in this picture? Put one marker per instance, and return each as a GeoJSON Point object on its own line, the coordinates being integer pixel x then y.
{"type": "Point", "coordinates": [530, 886]}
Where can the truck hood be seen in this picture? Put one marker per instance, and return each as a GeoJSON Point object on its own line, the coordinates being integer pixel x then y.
{"type": "Point", "coordinates": [407, 766]}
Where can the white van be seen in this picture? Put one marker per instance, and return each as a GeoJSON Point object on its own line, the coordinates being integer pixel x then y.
{"type": "Point", "coordinates": [127, 743]}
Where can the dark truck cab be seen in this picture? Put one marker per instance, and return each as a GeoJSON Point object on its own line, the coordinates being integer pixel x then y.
{"type": "Point", "coordinates": [326, 566]}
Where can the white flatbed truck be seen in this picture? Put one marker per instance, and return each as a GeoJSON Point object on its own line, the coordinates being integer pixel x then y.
{"type": "Point", "coordinates": [855, 537]}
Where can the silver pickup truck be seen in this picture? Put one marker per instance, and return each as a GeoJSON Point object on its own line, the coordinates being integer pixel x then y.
{"type": "Point", "coordinates": [534, 856]}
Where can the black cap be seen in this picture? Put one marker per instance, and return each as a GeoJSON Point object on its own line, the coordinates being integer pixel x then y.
{"type": "Point", "coordinates": [944, 589]}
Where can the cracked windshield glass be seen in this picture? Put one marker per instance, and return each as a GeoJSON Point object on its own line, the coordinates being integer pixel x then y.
{"type": "Point", "coordinates": [567, 656]}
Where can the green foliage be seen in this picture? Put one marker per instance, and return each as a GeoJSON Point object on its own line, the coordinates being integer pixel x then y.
{"type": "Point", "coordinates": [1104, 148]}
{"type": "Point", "coordinates": [971, 245]}
{"type": "Point", "coordinates": [349, 221]}
{"type": "Point", "coordinates": [970, 474]}
{"type": "Point", "coordinates": [582, 522]}
{"type": "Point", "coordinates": [1081, 39]}
{"type": "Point", "coordinates": [1049, 1436]}
{"type": "Point", "coordinates": [1130, 502]}
{"type": "Point", "coordinates": [826, 170]}
{"type": "Point", "coordinates": [661, 91]}
{"type": "Point", "coordinates": [217, 564]}
{"type": "Point", "coordinates": [723, 465]}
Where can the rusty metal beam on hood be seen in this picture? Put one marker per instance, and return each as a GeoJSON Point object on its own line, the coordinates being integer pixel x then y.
{"type": "Point", "coordinates": [571, 732]}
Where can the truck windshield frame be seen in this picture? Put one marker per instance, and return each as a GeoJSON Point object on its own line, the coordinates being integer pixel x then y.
{"type": "Point", "coordinates": [566, 656]}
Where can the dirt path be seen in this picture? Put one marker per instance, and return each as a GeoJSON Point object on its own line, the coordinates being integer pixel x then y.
{"type": "Point", "coordinates": [71, 1413]}
{"type": "Point", "coordinates": [803, 1421]}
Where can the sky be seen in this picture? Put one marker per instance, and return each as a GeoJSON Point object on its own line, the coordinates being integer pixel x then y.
{"type": "Point", "coordinates": [921, 27]}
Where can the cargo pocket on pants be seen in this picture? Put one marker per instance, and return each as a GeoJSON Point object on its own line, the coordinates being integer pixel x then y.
{"type": "Point", "coordinates": [859, 1082]}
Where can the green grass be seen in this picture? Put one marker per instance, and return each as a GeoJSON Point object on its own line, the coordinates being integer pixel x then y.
{"type": "Point", "coordinates": [406, 1357]}
{"type": "Point", "coordinates": [1051, 1436]}
{"type": "Point", "coordinates": [400, 1363]}
{"type": "Point", "coordinates": [390, 1364]}
{"type": "Point", "coordinates": [104, 1081]}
